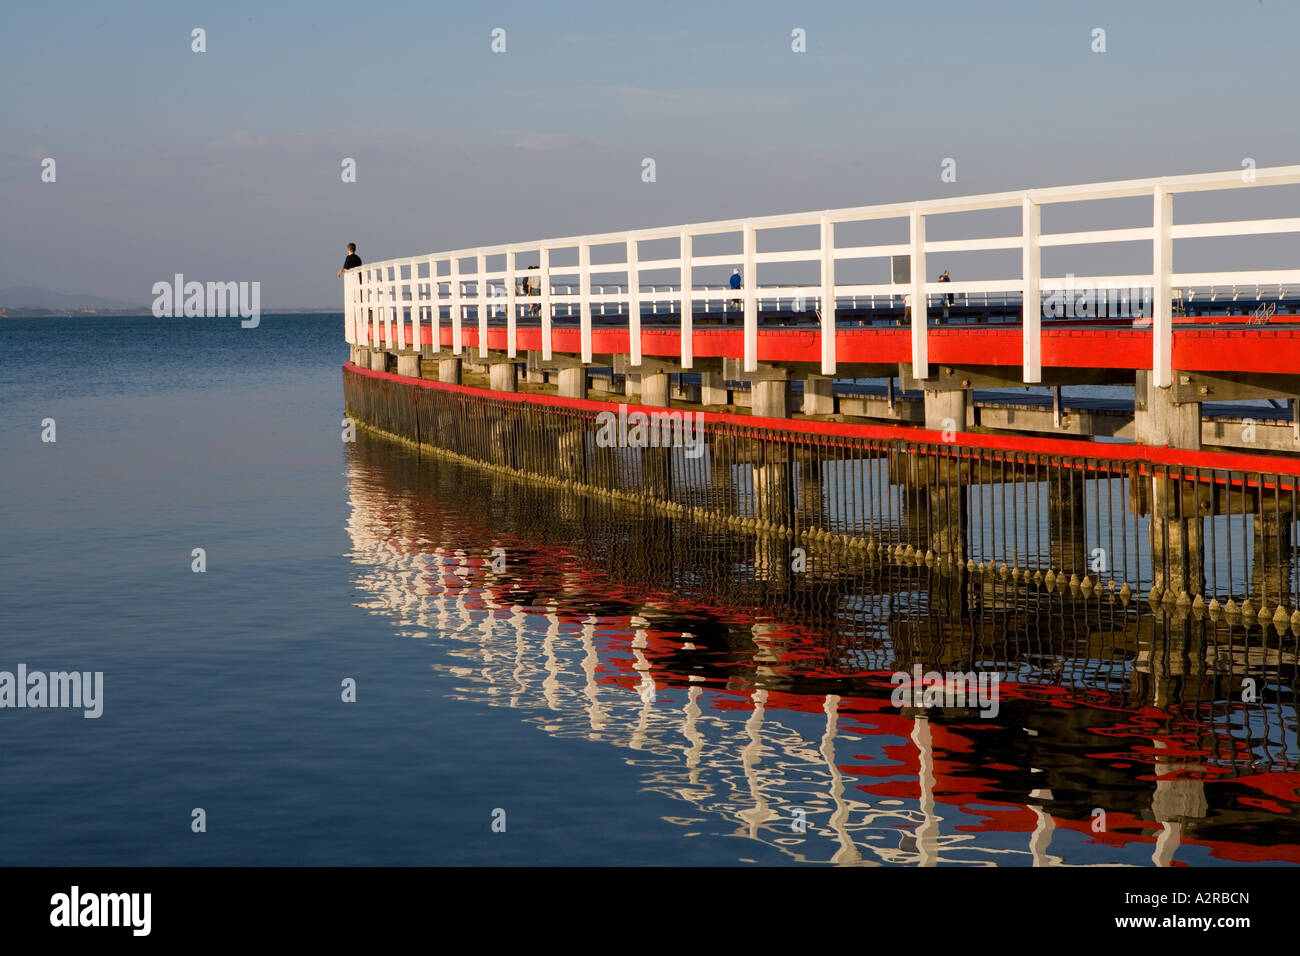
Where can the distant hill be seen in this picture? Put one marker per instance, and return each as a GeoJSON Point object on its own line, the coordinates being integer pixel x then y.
{"type": "Point", "coordinates": [16, 298]}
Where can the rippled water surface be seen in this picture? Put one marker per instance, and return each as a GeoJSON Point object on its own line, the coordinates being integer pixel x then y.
{"type": "Point", "coordinates": [625, 687]}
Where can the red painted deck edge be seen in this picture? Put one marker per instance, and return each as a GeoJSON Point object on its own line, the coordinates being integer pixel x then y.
{"type": "Point", "coordinates": [1228, 461]}
{"type": "Point", "coordinates": [1262, 349]}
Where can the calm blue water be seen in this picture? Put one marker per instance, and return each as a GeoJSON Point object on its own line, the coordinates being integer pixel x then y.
{"type": "Point", "coordinates": [222, 689]}
{"type": "Point", "coordinates": [594, 689]}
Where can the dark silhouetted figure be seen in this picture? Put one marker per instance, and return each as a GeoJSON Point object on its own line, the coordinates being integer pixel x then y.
{"type": "Point", "coordinates": [353, 260]}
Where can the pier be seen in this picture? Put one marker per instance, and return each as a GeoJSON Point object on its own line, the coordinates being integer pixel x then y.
{"type": "Point", "coordinates": [838, 415]}
{"type": "Point", "coordinates": [558, 309]}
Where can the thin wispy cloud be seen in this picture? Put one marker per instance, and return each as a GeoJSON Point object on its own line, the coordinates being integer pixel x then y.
{"type": "Point", "coordinates": [654, 102]}
{"type": "Point", "coordinates": [552, 142]}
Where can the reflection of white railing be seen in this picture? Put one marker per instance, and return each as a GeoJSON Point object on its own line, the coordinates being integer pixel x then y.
{"type": "Point", "coordinates": [385, 293]}
{"type": "Point", "coordinates": [752, 773]}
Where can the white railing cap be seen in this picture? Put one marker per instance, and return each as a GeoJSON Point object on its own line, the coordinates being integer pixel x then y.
{"type": "Point", "coordinates": [1117, 189]}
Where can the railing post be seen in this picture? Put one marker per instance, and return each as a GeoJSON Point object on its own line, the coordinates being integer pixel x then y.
{"type": "Point", "coordinates": [1162, 262]}
{"type": "Point", "coordinates": [828, 296]}
{"type": "Point", "coordinates": [399, 308]}
{"type": "Point", "coordinates": [426, 299]}
{"type": "Point", "coordinates": [390, 309]}
{"type": "Point", "coordinates": [384, 294]}
{"type": "Point", "coordinates": [420, 302]}
{"type": "Point", "coordinates": [481, 288]}
{"type": "Point", "coordinates": [356, 297]}
{"type": "Point", "coordinates": [751, 301]}
{"type": "Point", "coordinates": [544, 266]}
{"type": "Point", "coordinates": [372, 304]}
{"type": "Point", "coordinates": [510, 303]}
{"type": "Point", "coordinates": [358, 306]}
{"type": "Point", "coordinates": [456, 308]}
{"type": "Point", "coordinates": [584, 299]}
{"type": "Point", "coordinates": [1031, 271]}
{"type": "Point", "coordinates": [414, 286]}
{"type": "Point", "coordinates": [361, 327]}
{"type": "Point", "coordinates": [686, 249]}
{"type": "Point", "coordinates": [435, 307]}
{"type": "Point", "coordinates": [920, 346]}
{"type": "Point", "coordinates": [349, 313]}
{"type": "Point", "coordinates": [633, 303]}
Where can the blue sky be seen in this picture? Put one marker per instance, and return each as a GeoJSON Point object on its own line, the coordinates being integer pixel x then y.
{"type": "Point", "coordinates": [225, 165]}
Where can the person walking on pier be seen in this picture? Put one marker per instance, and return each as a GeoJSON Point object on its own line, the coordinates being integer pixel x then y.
{"type": "Point", "coordinates": [946, 278]}
{"type": "Point", "coordinates": [352, 261]}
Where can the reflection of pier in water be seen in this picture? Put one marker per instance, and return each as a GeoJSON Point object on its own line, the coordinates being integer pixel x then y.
{"type": "Point", "coordinates": [749, 691]}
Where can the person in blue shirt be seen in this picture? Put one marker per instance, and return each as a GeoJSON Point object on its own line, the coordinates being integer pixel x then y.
{"type": "Point", "coordinates": [735, 285]}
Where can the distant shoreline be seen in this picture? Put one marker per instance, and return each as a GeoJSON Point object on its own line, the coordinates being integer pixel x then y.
{"type": "Point", "coordinates": [22, 313]}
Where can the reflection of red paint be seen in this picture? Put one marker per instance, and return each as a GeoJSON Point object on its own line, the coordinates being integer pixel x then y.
{"type": "Point", "coordinates": [1008, 818]}
{"type": "Point", "coordinates": [1283, 786]}
{"type": "Point", "coordinates": [891, 770]}
{"type": "Point", "coordinates": [1245, 853]}
{"type": "Point", "coordinates": [1263, 804]}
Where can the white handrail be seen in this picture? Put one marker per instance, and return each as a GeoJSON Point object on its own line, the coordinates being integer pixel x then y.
{"type": "Point", "coordinates": [377, 294]}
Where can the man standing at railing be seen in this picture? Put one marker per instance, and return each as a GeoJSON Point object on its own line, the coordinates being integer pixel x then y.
{"type": "Point", "coordinates": [352, 261]}
{"type": "Point", "coordinates": [735, 286]}
{"type": "Point", "coordinates": [533, 286]}
{"type": "Point", "coordinates": [946, 278]}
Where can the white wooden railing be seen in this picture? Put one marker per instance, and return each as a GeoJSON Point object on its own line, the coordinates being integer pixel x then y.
{"type": "Point", "coordinates": [386, 293]}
